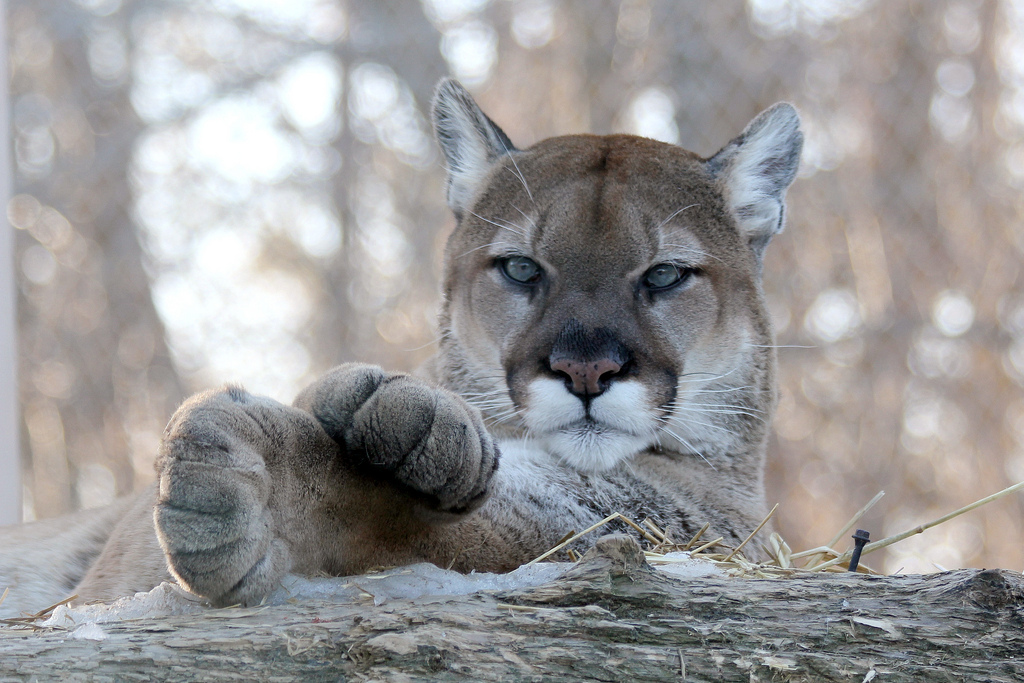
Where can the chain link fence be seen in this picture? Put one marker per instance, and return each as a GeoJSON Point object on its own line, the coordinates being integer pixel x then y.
{"type": "Point", "coordinates": [248, 192]}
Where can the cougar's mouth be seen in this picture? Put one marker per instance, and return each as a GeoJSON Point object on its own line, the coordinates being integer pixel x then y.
{"type": "Point", "coordinates": [593, 435]}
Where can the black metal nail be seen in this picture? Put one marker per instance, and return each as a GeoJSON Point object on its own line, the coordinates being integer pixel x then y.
{"type": "Point", "coordinates": [860, 539]}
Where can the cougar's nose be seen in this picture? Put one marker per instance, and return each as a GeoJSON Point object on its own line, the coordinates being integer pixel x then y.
{"type": "Point", "coordinates": [589, 378]}
{"type": "Point", "coordinates": [587, 358]}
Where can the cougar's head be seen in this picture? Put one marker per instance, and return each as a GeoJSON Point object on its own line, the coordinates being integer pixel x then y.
{"type": "Point", "coordinates": [602, 293]}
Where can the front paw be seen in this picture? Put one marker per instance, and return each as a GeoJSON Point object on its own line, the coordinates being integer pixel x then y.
{"type": "Point", "coordinates": [426, 438]}
{"type": "Point", "coordinates": [212, 514]}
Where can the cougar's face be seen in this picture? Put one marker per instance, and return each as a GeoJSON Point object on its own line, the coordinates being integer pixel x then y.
{"type": "Point", "coordinates": [604, 303]}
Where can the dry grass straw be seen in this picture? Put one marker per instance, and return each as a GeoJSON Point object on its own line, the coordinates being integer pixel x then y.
{"type": "Point", "coordinates": [570, 538]}
{"type": "Point", "coordinates": [782, 561]}
{"type": "Point", "coordinates": [29, 620]}
{"type": "Point", "coordinates": [885, 542]}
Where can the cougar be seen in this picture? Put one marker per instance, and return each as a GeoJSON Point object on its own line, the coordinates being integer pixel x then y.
{"type": "Point", "coordinates": [604, 347]}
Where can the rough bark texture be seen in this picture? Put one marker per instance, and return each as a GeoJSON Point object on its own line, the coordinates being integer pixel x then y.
{"type": "Point", "coordinates": [611, 618]}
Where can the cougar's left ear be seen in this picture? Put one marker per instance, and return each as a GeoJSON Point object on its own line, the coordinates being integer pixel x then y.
{"type": "Point", "coordinates": [471, 142]}
{"type": "Point", "coordinates": [756, 168]}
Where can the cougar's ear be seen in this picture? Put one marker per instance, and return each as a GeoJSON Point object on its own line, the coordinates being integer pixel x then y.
{"type": "Point", "coordinates": [471, 142]}
{"type": "Point", "coordinates": [756, 168]}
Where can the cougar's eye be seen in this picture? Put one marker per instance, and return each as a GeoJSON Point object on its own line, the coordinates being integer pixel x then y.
{"type": "Point", "coordinates": [521, 269]}
{"type": "Point", "coordinates": [664, 275]}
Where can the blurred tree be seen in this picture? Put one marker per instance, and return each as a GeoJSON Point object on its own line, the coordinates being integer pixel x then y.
{"type": "Point", "coordinates": [95, 369]}
{"type": "Point", "coordinates": [390, 45]}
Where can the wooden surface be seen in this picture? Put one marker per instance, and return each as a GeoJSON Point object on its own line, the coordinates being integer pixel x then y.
{"type": "Point", "coordinates": [611, 618]}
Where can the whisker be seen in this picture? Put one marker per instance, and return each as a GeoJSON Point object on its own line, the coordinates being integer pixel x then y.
{"type": "Point", "coordinates": [661, 224]}
{"type": "Point", "coordinates": [483, 246]}
{"type": "Point", "coordinates": [518, 173]}
{"type": "Point", "coordinates": [630, 466]}
{"type": "Point", "coordinates": [495, 392]}
{"type": "Point", "coordinates": [495, 410]}
{"type": "Point", "coordinates": [504, 410]}
{"type": "Point", "coordinates": [781, 346]}
{"type": "Point", "coordinates": [726, 390]}
{"type": "Point", "coordinates": [686, 443]}
{"type": "Point", "coordinates": [435, 340]}
{"type": "Point", "coordinates": [725, 412]}
{"type": "Point", "coordinates": [511, 227]}
{"type": "Point", "coordinates": [692, 252]}
{"type": "Point", "coordinates": [687, 419]}
{"type": "Point", "coordinates": [492, 401]}
{"type": "Point", "coordinates": [531, 221]}
{"type": "Point", "coordinates": [505, 418]}
{"type": "Point", "coordinates": [678, 421]}
{"type": "Point", "coordinates": [725, 405]}
{"type": "Point", "coordinates": [708, 379]}
{"type": "Point", "coordinates": [488, 397]}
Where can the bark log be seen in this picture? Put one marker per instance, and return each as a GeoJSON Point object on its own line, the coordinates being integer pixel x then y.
{"type": "Point", "coordinates": [611, 618]}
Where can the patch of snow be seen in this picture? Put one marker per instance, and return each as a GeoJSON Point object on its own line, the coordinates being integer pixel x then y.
{"type": "Point", "coordinates": [414, 581]}
{"type": "Point", "coordinates": [683, 565]}
{"type": "Point", "coordinates": [165, 600]}
{"type": "Point", "coordinates": [401, 583]}
{"type": "Point", "coordinates": [89, 631]}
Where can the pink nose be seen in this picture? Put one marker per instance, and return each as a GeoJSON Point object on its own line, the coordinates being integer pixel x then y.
{"type": "Point", "coordinates": [586, 375]}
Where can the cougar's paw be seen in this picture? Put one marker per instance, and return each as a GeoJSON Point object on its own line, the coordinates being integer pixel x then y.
{"type": "Point", "coordinates": [211, 515]}
{"type": "Point", "coordinates": [426, 438]}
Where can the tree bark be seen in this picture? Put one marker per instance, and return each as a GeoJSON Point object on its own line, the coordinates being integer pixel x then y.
{"type": "Point", "coordinates": [610, 618]}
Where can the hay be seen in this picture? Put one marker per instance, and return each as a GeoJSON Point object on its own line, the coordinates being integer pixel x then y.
{"type": "Point", "coordinates": [782, 561]}
{"type": "Point", "coordinates": [29, 620]}
{"type": "Point", "coordinates": [570, 538]}
{"type": "Point", "coordinates": [752, 533]}
{"type": "Point", "coordinates": [921, 528]}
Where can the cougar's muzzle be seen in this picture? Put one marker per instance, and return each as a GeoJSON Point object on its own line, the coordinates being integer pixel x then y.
{"type": "Point", "coordinates": [588, 360]}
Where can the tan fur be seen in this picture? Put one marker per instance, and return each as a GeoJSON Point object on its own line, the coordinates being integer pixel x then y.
{"type": "Point", "coordinates": [42, 562]}
{"type": "Point", "coordinates": [571, 382]}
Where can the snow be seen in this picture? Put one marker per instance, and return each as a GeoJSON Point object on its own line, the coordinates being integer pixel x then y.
{"type": "Point", "coordinates": [402, 583]}
{"type": "Point", "coordinates": [165, 600]}
{"type": "Point", "coordinates": [684, 566]}
{"type": "Point", "coordinates": [89, 631]}
{"type": "Point", "coordinates": [414, 581]}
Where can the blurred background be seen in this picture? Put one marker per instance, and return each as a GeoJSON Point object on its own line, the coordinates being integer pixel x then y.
{"type": "Point", "coordinates": [247, 191]}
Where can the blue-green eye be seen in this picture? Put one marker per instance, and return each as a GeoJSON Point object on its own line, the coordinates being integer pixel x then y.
{"type": "Point", "coordinates": [521, 269]}
{"type": "Point", "coordinates": [665, 275]}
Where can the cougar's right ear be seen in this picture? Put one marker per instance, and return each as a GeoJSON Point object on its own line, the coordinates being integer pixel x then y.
{"type": "Point", "coordinates": [471, 142]}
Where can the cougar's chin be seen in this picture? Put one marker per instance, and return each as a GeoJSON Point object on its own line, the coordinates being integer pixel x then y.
{"type": "Point", "coordinates": [617, 425]}
{"type": "Point", "coordinates": [593, 448]}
